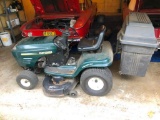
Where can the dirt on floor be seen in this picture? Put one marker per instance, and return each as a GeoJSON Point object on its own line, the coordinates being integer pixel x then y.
{"type": "Point", "coordinates": [131, 98]}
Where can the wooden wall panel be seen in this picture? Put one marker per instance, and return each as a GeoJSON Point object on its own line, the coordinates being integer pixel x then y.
{"type": "Point", "coordinates": [109, 6]}
{"type": "Point", "coordinates": [29, 10]}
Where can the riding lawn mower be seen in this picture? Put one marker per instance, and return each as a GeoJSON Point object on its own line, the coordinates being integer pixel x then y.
{"type": "Point", "coordinates": [62, 70]}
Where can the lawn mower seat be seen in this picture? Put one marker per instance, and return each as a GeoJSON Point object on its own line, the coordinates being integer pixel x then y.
{"type": "Point", "coordinates": [92, 44]}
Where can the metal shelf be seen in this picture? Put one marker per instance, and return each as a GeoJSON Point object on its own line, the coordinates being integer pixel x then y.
{"type": "Point", "coordinates": [21, 23]}
{"type": "Point", "coordinates": [7, 15]}
{"type": "Point", "coordinates": [4, 14]}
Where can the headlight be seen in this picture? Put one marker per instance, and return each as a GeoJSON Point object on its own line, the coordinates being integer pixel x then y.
{"type": "Point", "coordinates": [30, 34]}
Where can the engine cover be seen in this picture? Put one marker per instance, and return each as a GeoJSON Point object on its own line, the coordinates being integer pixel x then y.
{"type": "Point", "coordinates": [29, 50]}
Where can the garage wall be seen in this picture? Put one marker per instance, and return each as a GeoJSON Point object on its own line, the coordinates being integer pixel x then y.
{"type": "Point", "coordinates": [109, 6]}
{"type": "Point", "coordinates": [29, 10]}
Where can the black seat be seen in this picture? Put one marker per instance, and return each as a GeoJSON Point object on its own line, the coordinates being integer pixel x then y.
{"type": "Point", "coordinates": [92, 44]}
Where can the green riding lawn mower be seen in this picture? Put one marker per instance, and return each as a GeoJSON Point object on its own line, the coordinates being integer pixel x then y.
{"type": "Point", "coordinates": [89, 66]}
{"type": "Point", "coordinates": [62, 70]}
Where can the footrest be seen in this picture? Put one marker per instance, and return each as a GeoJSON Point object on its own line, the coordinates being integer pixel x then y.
{"type": "Point", "coordinates": [62, 70]}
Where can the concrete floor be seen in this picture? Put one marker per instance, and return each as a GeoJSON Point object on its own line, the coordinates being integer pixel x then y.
{"type": "Point", "coordinates": [130, 98]}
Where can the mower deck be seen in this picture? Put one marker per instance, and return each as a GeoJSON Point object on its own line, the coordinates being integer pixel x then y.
{"type": "Point", "coordinates": [63, 88]}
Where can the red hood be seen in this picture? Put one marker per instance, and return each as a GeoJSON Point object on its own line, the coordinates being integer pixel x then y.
{"type": "Point", "coordinates": [52, 6]}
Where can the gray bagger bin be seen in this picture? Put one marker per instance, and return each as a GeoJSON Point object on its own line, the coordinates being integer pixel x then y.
{"type": "Point", "coordinates": [138, 43]}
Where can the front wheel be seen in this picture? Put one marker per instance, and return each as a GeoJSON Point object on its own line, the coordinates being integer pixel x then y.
{"type": "Point", "coordinates": [27, 80]}
{"type": "Point", "coordinates": [96, 82]}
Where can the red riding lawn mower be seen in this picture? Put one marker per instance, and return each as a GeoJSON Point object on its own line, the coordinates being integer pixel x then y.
{"type": "Point", "coordinates": [57, 14]}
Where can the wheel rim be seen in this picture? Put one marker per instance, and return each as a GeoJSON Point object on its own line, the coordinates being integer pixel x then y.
{"type": "Point", "coordinates": [95, 83]}
{"type": "Point", "coordinates": [25, 82]}
{"type": "Point", "coordinates": [73, 94]}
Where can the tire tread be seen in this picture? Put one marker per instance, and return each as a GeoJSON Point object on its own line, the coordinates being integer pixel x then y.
{"type": "Point", "coordinates": [104, 73]}
{"type": "Point", "coordinates": [29, 75]}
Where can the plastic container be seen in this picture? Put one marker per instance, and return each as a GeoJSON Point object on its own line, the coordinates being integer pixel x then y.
{"type": "Point", "coordinates": [138, 43]}
{"type": "Point", "coordinates": [6, 38]}
{"type": "Point", "coordinates": [17, 22]}
{"type": "Point", "coordinates": [72, 22]}
{"type": "Point", "coordinates": [13, 24]}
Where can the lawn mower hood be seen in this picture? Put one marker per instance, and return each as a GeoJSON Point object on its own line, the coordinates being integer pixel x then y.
{"type": "Point", "coordinates": [51, 6]}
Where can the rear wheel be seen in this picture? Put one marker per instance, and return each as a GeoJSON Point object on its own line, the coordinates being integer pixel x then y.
{"type": "Point", "coordinates": [96, 82]}
{"type": "Point", "coordinates": [27, 80]}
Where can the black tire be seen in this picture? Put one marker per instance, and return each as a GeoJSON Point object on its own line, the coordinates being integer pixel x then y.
{"type": "Point", "coordinates": [27, 80]}
{"type": "Point", "coordinates": [103, 76]}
